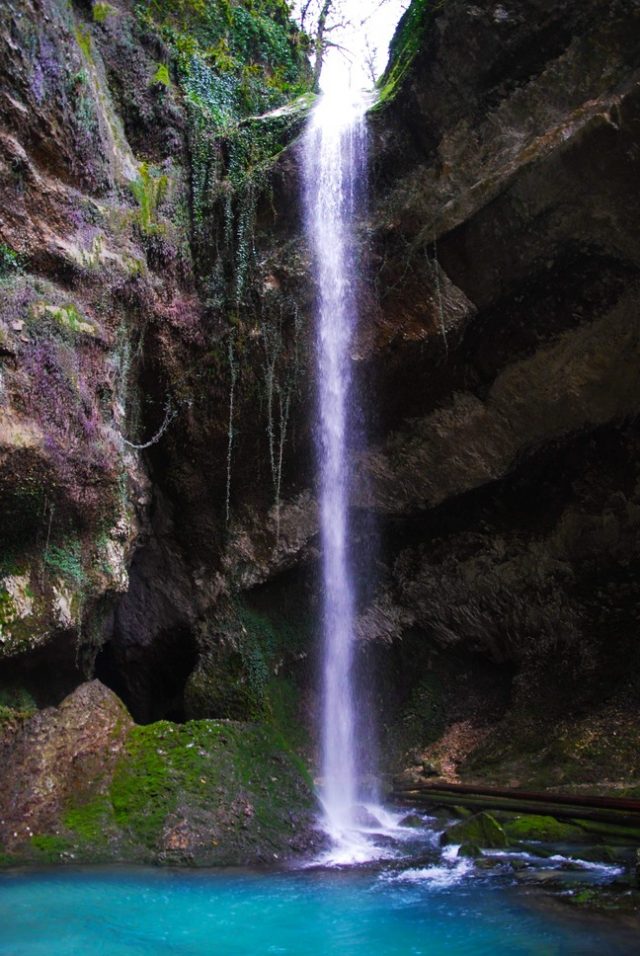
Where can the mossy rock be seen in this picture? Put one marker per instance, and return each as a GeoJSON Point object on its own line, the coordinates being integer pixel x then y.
{"type": "Point", "coordinates": [481, 830]}
{"type": "Point", "coordinates": [604, 900]}
{"type": "Point", "coordinates": [613, 832]}
{"type": "Point", "coordinates": [49, 848]}
{"type": "Point", "coordinates": [97, 788]}
{"type": "Point", "coordinates": [463, 813]}
{"type": "Point", "coordinates": [228, 683]}
{"type": "Point", "coordinates": [544, 829]}
{"type": "Point", "coordinates": [602, 854]}
{"type": "Point", "coordinates": [202, 793]}
{"type": "Point", "coordinates": [404, 47]}
{"type": "Point", "coordinates": [470, 851]}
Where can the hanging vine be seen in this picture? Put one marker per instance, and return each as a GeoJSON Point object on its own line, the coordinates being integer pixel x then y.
{"type": "Point", "coordinates": [281, 372]}
{"type": "Point", "coordinates": [439, 299]}
{"type": "Point", "coordinates": [233, 371]}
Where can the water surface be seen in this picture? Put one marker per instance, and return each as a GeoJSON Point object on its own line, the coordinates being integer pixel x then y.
{"type": "Point", "coordinates": [430, 912]}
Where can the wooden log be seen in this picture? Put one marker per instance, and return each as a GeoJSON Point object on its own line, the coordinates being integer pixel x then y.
{"type": "Point", "coordinates": [609, 811]}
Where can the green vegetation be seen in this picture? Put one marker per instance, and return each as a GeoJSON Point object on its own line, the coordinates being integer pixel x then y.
{"type": "Point", "coordinates": [18, 700]}
{"type": "Point", "coordinates": [7, 610]}
{"type": "Point", "coordinates": [83, 39]}
{"type": "Point", "coordinates": [9, 262]}
{"type": "Point", "coordinates": [233, 673]}
{"type": "Point", "coordinates": [224, 770]}
{"type": "Point", "coordinates": [481, 830]}
{"type": "Point", "coordinates": [161, 76]}
{"type": "Point", "coordinates": [69, 318]}
{"type": "Point", "coordinates": [405, 45]}
{"type": "Point", "coordinates": [149, 189]}
{"type": "Point", "coordinates": [67, 560]}
{"type": "Point", "coordinates": [239, 674]}
{"type": "Point", "coordinates": [614, 832]}
{"type": "Point", "coordinates": [91, 821]}
{"type": "Point", "coordinates": [101, 11]}
{"type": "Point", "coordinates": [234, 57]}
{"type": "Point", "coordinates": [543, 828]}
{"type": "Point", "coordinates": [49, 846]}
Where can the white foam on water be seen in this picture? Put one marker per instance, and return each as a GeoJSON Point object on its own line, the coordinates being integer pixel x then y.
{"type": "Point", "coordinates": [611, 869]}
{"type": "Point", "coordinates": [438, 876]}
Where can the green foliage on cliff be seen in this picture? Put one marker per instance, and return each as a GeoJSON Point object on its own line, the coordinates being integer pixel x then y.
{"type": "Point", "coordinates": [9, 262]}
{"type": "Point", "coordinates": [16, 700]}
{"type": "Point", "coordinates": [66, 559]}
{"type": "Point", "coordinates": [234, 57]}
{"type": "Point", "coordinates": [101, 11]}
{"type": "Point", "coordinates": [149, 189]}
{"type": "Point", "coordinates": [161, 76]}
{"type": "Point", "coordinates": [234, 61]}
{"type": "Point", "coordinates": [405, 45]}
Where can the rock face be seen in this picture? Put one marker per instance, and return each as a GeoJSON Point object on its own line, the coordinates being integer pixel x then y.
{"type": "Point", "coordinates": [509, 466]}
{"type": "Point", "coordinates": [59, 757]}
{"type": "Point", "coordinates": [159, 525]}
{"type": "Point", "coordinates": [82, 783]}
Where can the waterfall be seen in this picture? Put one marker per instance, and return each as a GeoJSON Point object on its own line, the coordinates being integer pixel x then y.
{"type": "Point", "coordinates": [335, 148]}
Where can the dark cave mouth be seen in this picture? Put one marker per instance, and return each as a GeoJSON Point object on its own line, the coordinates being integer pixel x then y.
{"type": "Point", "coordinates": [150, 679]}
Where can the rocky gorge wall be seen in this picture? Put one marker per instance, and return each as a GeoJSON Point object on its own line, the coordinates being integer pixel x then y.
{"type": "Point", "coordinates": [155, 293]}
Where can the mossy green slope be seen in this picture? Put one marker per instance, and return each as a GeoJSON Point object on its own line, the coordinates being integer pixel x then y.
{"type": "Point", "coordinates": [205, 793]}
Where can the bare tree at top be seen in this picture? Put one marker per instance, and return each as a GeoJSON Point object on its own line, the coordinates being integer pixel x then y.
{"type": "Point", "coordinates": [333, 24]}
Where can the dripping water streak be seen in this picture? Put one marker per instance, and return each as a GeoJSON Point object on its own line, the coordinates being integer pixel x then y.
{"type": "Point", "coordinates": [334, 163]}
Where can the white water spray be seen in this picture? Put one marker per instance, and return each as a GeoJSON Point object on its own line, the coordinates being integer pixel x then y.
{"type": "Point", "coordinates": [335, 150]}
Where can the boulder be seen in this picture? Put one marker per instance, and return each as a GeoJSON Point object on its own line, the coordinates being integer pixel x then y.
{"type": "Point", "coordinates": [60, 754]}
{"type": "Point", "coordinates": [543, 828]}
{"type": "Point", "coordinates": [480, 830]}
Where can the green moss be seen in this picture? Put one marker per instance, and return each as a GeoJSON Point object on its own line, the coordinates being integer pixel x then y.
{"type": "Point", "coordinates": [235, 786]}
{"type": "Point", "coordinates": [230, 683]}
{"type": "Point", "coordinates": [605, 901]}
{"type": "Point", "coordinates": [405, 45]}
{"type": "Point", "coordinates": [49, 846]}
{"type": "Point", "coordinates": [8, 611]}
{"type": "Point", "coordinates": [101, 11]}
{"type": "Point", "coordinates": [201, 764]}
{"type": "Point", "coordinates": [18, 700]}
{"type": "Point", "coordinates": [10, 264]}
{"type": "Point", "coordinates": [91, 822]}
{"type": "Point", "coordinates": [68, 317]}
{"type": "Point", "coordinates": [161, 76]}
{"type": "Point", "coordinates": [66, 559]}
{"type": "Point", "coordinates": [149, 189]}
{"type": "Point", "coordinates": [470, 851]}
{"type": "Point", "coordinates": [242, 672]}
{"type": "Point", "coordinates": [83, 39]}
{"type": "Point", "coordinates": [481, 830]}
{"type": "Point", "coordinates": [543, 828]}
{"type": "Point", "coordinates": [614, 832]}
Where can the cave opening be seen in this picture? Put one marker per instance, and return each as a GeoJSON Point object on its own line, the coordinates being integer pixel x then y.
{"type": "Point", "coordinates": [150, 679]}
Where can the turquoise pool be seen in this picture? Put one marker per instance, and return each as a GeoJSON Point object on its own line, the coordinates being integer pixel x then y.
{"type": "Point", "coordinates": [435, 911]}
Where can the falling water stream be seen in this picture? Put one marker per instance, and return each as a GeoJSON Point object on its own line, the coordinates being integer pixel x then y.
{"type": "Point", "coordinates": [335, 163]}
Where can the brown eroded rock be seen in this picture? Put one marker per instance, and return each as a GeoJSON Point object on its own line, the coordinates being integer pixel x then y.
{"type": "Point", "coordinates": [59, 753]}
